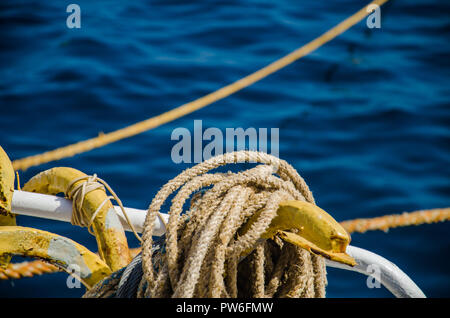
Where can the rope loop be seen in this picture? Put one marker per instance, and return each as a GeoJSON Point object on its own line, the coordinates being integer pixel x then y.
{"type": "Point", "coordinates": [77, 192]}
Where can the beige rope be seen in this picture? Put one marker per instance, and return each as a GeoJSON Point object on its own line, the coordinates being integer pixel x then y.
{"type": "Point", "coordinates": [140, 127]}
{"type": "Point", "coordinates": [205, 248]}
{"type": "Point", "coordinates": [77, 192]}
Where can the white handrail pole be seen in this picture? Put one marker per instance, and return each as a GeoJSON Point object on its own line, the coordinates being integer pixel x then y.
{"type": "Point", "coordinates": [60, 209]}
{"type": "Point", "coordinates": [386, 272]}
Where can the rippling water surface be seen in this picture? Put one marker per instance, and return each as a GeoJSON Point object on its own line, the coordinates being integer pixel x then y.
{"type": "Point", "coordinates": [364, 119]}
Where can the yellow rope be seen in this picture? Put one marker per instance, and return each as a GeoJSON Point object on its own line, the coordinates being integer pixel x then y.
{"type": "Point", "coordinates": [38, 267]}
{"type": "Point", "coordinates": [395, 220]}
{"type": "Point", "coordinates": [104, 139]}
{"type": "Point", "coordinates": [27, 269]}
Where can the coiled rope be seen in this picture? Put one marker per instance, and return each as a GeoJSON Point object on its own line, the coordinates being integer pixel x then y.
{"type": "Point", "coordinates": [204, 249]}
{"type": "Point", "coordinates": [140, 127]}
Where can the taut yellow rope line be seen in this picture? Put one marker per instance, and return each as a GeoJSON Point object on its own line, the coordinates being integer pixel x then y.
{"type": "Point", "coordinates": [38, 267]}
{"type": "Point", "coordinates": [395, 220]}
{"type": "Point", "coordinates": [104, 139]}
{"type": "Point", "coordinates": [27, 269]}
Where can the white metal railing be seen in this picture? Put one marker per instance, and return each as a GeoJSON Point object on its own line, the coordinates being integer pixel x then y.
{"type": "Point", "coordinates": [368, 263]}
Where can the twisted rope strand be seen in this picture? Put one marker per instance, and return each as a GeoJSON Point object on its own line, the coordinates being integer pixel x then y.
{"type": "Point", "coordinates": [396, 220]}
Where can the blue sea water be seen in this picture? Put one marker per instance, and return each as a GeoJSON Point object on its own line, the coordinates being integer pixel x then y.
{"type": "Point", "coordinates": [364, 119]}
